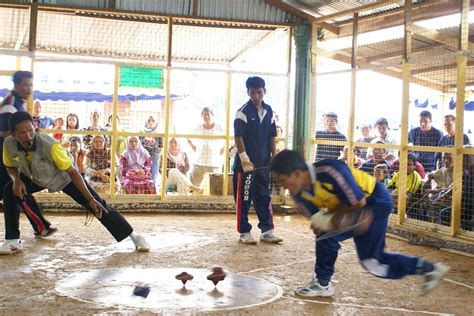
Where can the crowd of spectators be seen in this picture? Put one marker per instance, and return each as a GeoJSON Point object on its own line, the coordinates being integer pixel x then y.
{"type": "Point", "coordinates": [138, 169]}
{"type": "Point", "coordinates": [429, 174]}
{"type": "Point", "coordinates": [138, 159]}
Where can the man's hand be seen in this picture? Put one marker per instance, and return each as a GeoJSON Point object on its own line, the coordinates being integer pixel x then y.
{"type": "Point", "coordinates": [97, 208]}
{"type": "Point", "coordinates": [19, 188]}
{"type": "Point", "coordinates": [247, 165]}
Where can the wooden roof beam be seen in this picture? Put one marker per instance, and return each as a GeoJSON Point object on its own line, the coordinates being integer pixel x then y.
{"type": "Point", "coordinates": [350, 12]}
{"type": "Point", "coordinates": [439, 37]}
{"type": "Point", "coordinates": [414, 52]}
{"type": "Point", "coordinates": [421, 11]}
{"type": "Point", "coordinates": [389, 71]}
{"type": "Point", "coordinates": [438, 68]}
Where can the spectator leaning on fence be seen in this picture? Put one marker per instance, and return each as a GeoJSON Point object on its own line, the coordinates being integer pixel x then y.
{"type": "Point", "coordinates": [448, 139]}
{"type": "Point", "coordinates": [366, 137]}
{"type": "Point", "coordinates": [382, 173]}
{"type": "Point", "coordinates": [418, 167]}
{"type": "Point", "coordinates": [386, 138]}
{"type": "Point", "coordinates": [414, 180]}
{"type": "Point", "coordinates": [425, 135]}
{"type": "Point", "coordinates": [378, 158]}
{"type": "Point", "coordinates": [467, 197]}
{"type": "Point", "coordinates": [330, 132]}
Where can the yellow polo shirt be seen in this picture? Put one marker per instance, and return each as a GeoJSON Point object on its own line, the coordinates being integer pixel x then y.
{"type": "Point", "coordinates": [60, 158]}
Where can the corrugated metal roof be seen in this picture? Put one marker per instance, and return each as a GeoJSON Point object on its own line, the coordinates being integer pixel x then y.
{"type": "Point", "coordinates": [248, 10]}
{"type": "Point", "coordinates": [99, 4]}
{"type": "Point", "coordinates": [170, 7]}
{"type": "Point", "coordinates": [324, 7]}
{"type": "Point", "coordinates": [244, 10]}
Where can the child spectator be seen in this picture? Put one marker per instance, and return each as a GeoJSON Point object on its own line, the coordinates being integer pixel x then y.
{"type": "Point", "coordinates": [77, 153]}
{"type": "Point", "coordinates": [378, 158]}
{"type": "Point", "coordinates": [419, 167]}
{"type": "Point", "coordinates": [58, 125]}
{"type": "Point", "coordinates": [414, 183]}
{"type": "Point", "coordinates": [345, 154]}
{"type": "Point", "coordinates": [72, 123]}
{"type": "Point", "coordinates": [382, 173]}
{"type": "Point", "coordinates": [366, 137]}
{"type": "Point", "coordinates": [414, 180]}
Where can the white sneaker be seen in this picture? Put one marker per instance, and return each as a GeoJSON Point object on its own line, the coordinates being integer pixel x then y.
{"type": "Point", "coordinates": [247, 238]}
{"type": "Point", "coordinates": [314, 289]}
{"type": "Point", "coordinates": [11, 246]}
{"type": "Point", "coordinates": [432, 278]}
{"type": "Point", "coordinates": [269, 237]}
{"type": "Point", "coordinates": [140, 244]}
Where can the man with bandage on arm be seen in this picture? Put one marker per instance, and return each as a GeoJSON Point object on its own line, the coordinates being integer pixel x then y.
{"type": "Point", "coordinates": [357, 206]}
{"type": "Point", "coordinates": [254, 131]}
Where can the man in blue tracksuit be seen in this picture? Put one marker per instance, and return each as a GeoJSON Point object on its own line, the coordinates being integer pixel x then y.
{"type": "Point", "coordinates": [255, 132]}
{"type": "Point", "coordinates": [13, 102]}
{"type": "Point", "coordinates": [348, 195]}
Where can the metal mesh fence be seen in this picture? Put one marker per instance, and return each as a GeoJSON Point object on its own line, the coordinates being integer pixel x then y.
{"type": "Point", "coordinates": [92, 36]}
{"type": "Point", "coordinates": [426, 126]}
{"type": "Point", "coordinates": [14, 29]}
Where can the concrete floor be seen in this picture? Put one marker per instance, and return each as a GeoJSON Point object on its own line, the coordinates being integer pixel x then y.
{"type": "Point", "coordinates": [56, 275]}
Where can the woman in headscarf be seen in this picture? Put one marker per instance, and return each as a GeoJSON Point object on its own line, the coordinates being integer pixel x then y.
{"type": "Point", "coordinates": [135, 164]}
{"type": "Point", "coordinates": [97, 165]}
{"type": "Point", "coordinates": [177, 169]}
{"type": "Point", "coordinates": [153, 145]}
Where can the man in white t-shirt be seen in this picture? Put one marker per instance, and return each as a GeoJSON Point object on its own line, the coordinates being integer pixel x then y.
{"type": "Point", "coordinates": [209, 152]}
{"type": "Point", "coordinates": [383, 136]}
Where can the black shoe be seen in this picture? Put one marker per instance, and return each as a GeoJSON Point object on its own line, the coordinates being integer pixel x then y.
{"type": "Point", "coordinates": [46, 233]}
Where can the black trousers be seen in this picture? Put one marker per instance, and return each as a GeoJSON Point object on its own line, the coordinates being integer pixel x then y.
{"type": "Point", "coordinates": [115, 223]}
{"type": "Point", "coordinates": [4, 177]}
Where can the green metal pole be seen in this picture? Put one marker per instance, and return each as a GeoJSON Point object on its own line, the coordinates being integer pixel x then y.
{"type": "Point", "coordinates": [302, 139]}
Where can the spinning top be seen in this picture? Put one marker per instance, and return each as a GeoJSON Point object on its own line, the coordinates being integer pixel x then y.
{"type": "Point", "coordinates": [142, 291]}
{"type": "Point", "coordinates": [217, 275]}
{"type": "Point", "coordinates": [184, 277]}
